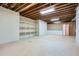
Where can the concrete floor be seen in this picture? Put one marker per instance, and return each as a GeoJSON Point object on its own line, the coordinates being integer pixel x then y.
{"type": "Point", "coordinates": [41, 46]}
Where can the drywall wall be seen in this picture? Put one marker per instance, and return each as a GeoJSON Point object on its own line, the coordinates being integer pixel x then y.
{"type": "Point", "coordinates": [72, 26]}
{"type": "Point", "coordinates": [66, 29]}
{"type": "Point", "coordinates": [57, 26]}
{"type": "Point", "coordinates": [9, 25]}
{"type": "Point", "coordinates": [69, 29]}
{"type": "Point", "coordinates": [77, 25]}
{"type": "Point", "coordinates": [55, 29]}
{"type": "Point", "coordinates": [42, 27]}
{"type": "Point", "coordinates": [27, 27]}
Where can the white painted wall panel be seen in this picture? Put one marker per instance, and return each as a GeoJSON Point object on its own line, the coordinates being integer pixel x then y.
{"type": "Point", "coordinates": [77, 25]}
{"type": "Point", "coordinates": [55, 32]}
{"type": "Point", "coordinates": [55, 29]}
{"type": "Point", "coordinates": [9, 25]}
{"type": "Point", "coordinates": [42, 27]}
{"type": "Point", "coordinates": [27, 28]}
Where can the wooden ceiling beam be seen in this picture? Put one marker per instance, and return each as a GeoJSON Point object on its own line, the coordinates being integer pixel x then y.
{"type": "Point", "coordinates": [47, 18]}
{"type": "Point", "coordinates": [44, 17]}
{"type": "Point", "coordinates": [68, 7]}
{"type": "Point", "coordinates": [66, 17]}
{"type": "Point", "coordinates": [58, 15]}
{"type": "Point", "coordinates": [0, 4]}
{"type": "Point", "coordinates": [40, 9]}
{"type": "Point", "coordinates": [63, 15]}
{"type": "Point", "coordinates": [58, 9]}
{"type": "Point", "coordinates": [20, 7]}
{"type": "Point", "coordinates": [4, 4]}
{"type": "Point", "coordinates": [64, 5]}
{"type": "Point", "coordinates": [13, 5]}
{"type": "Point", "coordinates": [35, 9]}
{"type": "Point", "coordinates": [27, 7]}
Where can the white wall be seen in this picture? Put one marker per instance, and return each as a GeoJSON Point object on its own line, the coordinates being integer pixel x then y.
{"type": "Point", "coordinates": [77, 25]}
{"type": "Point", "coordinates": [9, 25]}
{"type": "Point", "coordinates": [42, 26]}
{"type": "Point", "coordinates": [55, 32]}
{"type": "Point", "coordinates": [27, 27]}
{"type": "Point", "coordinates": [55, 29]}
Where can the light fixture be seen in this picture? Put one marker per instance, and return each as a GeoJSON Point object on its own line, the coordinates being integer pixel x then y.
{"type": "Point", "coordinates": [57, 22]}
{"type": "Point", "coordinates": [54, 19]}
{"type": "Point", "coordinates": [47, 10]}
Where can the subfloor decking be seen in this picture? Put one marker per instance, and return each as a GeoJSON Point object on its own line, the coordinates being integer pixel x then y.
{"type": "Point", "coordinates": [41, 46]}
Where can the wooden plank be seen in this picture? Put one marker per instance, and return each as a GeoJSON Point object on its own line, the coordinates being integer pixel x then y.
{"type": "Point", "coordinates": [13, 5]}
{"type": "Point", "coordinates": [34, 9]}
{"type": "Point", "coordinates": [0, 4]}
{"type": "Point", "coordinates": [27, 7]}
{"type": "Point", "coordinates": [20, 7]}
{"type": "Point", "coordinates": [64, 5]}
{"type": "Point", "coordinates": [37, 8]}
{"type": "Point", "coordinates": [40, 9]}
{"type": "Point", "coordinates": [63, 15]}
{"type": "Point", "coordinates": [68, 7]}
{"type": "Point", "coordinates": [59, 9]}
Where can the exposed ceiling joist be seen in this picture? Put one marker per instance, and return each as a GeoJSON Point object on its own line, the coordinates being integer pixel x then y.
{"type": "Point", "coordinates": [20, 7]}
{"type": "Point", "coordinates": [13, 5]}
{"type": "Point", "coordinates": [60, 15]}
{"type": "Point", "coordinates": [27, 7]}
{"type": "Point", "coordinates": [58, 11]}
{"type": "Point", "coordinates": [66, 11]}
{"type": "Point", "coordinates": [64, 5]}
{"type": "Point", "coordinates": [68, 7]}
{"type": "Point", "coordinates": [39, 7]}
{"type": "Point", "coordinates": [35, 9]}
{"type": "Point", "coordinates": [71, 6]}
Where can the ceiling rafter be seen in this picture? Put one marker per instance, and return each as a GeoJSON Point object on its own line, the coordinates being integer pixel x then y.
{"type": "Point", "coordinates": [58, 11]}
{"type": "Point", "coordinates": [64, 5]}
{"type": "Point", "coordinates": [66, 18]}
{"type": "Point", "coordinates": [61, 15]}
{"type": "Point", "coordinates": [20, 7]}
{"type": "Point", "coordinates": [65, 11]}
{"type": "Point", "coordinates": [34, 9]}
{"type": "Point", "coordinates": [27, 7]}
{"type": "Point", "coordinates": [55, 7]}
{"type": "Point", "coordinates": [38, 8]}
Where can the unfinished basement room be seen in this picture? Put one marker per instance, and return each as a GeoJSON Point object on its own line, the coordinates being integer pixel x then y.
{"type": "Point", "coordinates": [39, 29]}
